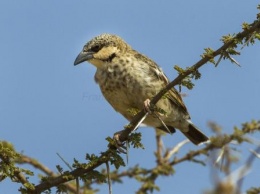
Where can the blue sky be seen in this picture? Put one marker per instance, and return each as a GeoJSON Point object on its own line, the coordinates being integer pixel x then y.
{"type": "Point", "coordinates": [47, 105]}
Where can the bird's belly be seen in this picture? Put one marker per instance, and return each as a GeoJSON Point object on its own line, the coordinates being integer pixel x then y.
{"type": "Point", "coordinates": [117, 98]}
{"type": "Point", "coordinates": [128, 104]}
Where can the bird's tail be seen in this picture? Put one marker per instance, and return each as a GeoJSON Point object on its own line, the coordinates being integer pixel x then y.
{"type": "Point", "coordinates": [195, 135]}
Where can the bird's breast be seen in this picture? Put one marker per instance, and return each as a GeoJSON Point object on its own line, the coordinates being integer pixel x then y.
{"type": "Point", "coordinates": [126, 86]}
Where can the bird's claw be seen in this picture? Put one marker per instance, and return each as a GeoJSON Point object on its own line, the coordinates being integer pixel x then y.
{"type": "Point", "coordinates": [119, 145]}
{"type": "Point", "coordinates": [147, 105]}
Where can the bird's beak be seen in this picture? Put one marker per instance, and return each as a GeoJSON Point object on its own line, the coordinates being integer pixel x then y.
{"type": "Point", "coordinates": [83, 56]}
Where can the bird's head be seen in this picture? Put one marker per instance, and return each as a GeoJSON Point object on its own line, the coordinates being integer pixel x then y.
{"type": "Point", "coordinates": [102, 49]}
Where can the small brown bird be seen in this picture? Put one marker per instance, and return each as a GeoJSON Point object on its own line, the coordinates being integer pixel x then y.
{"type": "Point", "coordinates": [129, 79]}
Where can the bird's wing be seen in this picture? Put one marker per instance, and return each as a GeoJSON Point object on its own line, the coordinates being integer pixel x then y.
{"type": "Point", "coordinates": [175, 97]}
{"type": "Point", "coordinates": [172, 94]}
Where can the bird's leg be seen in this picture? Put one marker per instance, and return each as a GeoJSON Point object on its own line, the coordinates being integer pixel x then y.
{"type": "Point", "coordinates": [119, 145]}
{"type": "Point", "coordinates": [147, 105]}
{"type": "Point", "coordinates": [147, 108]}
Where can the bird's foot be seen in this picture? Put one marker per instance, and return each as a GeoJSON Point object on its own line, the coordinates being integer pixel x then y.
{"type": "Point", "coordinates": [119, 145]}
{"type": "Point", "coordinates": [147, 106]}
{"type": "Point", "coordinates": [150, 109]}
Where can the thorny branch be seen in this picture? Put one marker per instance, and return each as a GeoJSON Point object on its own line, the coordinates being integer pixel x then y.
{"type": "Point", "coordinates": [255, 27]}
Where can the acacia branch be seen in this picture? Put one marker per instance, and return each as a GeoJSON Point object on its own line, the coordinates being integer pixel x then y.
{"type": "Point", "coordinates": [255, 26]}
{"type": "Point", "coordinates": [26, 159]}
{"type": "Point", "coordinates": [68, 176]}
{"type": "Point", "coordinates": [23, 159]}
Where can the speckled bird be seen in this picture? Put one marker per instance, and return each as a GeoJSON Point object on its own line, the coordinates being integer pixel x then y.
{"type": "Point", "coordinates": [128, 79]}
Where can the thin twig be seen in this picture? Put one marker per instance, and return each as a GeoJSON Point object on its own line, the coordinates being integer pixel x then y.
{"type": "Point", "coordinates": [159, 147]}
{"type": "Point", "coordinates": [246, 168]}
{"type": "Point", "coordinates": [175, 149]}
{"type": "Point", "coordinates": [108, 178]}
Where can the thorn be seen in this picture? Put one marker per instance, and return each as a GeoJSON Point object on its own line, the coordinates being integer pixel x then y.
{"type": "Point", "coordinates": [234, 61]}
{"type": "Point", "coordinates": [255, 153]}
{"type": "Point", "coordinates": [219, 59]}
{"type": "Point", "coordinates": [220, 156]}
{"type": "Point", "coordinates": [164, 125]}
{"type": "Point", "coordinates": [140, 122]}
{"type": "Point", "coordinates": [245, 44]}
{"type": "Point", "coordinates": [63, 160]}
{"type": "Point", "coordinates": [127, 151]}
{"type": "Point", "coordinates": [68, 165]}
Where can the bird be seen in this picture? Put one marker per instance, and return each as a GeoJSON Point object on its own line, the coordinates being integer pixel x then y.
{"type": "Point", "coordinates": [129, 79]}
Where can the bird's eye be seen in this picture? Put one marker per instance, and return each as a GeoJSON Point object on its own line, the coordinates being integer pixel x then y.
{"type": "Point", "coordinates": [95, 48]}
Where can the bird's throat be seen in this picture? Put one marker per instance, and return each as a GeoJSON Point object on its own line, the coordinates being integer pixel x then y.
{"type": "Point", "coordinates": [98, 63]}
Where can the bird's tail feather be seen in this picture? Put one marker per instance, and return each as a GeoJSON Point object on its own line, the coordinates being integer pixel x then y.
{"type": "Point", "coordinates": [195, 135]}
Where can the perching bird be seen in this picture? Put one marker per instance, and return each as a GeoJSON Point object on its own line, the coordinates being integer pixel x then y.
{"type": "Point", "coordinates": [128, 79]}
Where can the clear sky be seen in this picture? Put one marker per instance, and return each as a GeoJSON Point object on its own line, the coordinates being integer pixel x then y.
{"type": "Point", "coordinates": [47, 105]}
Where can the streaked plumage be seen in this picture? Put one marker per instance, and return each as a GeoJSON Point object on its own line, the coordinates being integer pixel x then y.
{"type": "Point", "coordinates": [127, 78]}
